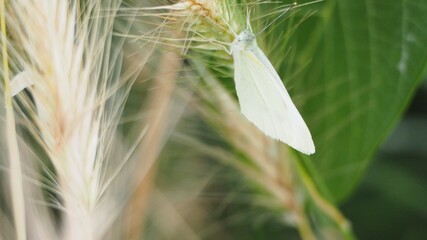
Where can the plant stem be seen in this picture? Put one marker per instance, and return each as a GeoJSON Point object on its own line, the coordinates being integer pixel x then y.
{"type": "Point", "coordinates": [303, 226]}
{"type": "Point", "coordinates": [324, 204]}
{"type": "Point", "coordinates": [16, 186]}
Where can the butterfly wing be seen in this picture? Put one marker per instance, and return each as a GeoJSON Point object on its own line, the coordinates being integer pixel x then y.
{"type": "Point", "coordinates": [266, 103]}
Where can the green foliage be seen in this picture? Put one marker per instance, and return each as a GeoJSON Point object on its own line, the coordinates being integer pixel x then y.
{"type": "Point", "coordinates": [353, 67]}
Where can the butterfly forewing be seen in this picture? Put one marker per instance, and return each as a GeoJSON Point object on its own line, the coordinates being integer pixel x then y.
{"type": "Point", "coordinates": [266, 103]}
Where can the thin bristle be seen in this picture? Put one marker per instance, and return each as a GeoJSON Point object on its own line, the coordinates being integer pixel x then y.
{"type": "Point", "coordinates": [193, 21]}
{"type": "Point", "coordinates": [67, 65]}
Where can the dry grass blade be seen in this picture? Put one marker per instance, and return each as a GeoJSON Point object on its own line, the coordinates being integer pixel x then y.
{"type": "Point", "coordinates": [66, 51]}
{"type": "Point", "coordinates": [16, 185]}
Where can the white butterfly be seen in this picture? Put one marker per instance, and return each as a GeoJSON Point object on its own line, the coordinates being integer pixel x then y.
{"type": "Point", "coordinates": [263, 98]}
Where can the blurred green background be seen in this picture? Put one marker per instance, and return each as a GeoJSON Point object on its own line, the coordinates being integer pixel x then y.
{"type": "Point", "coordinates": [390, 203]}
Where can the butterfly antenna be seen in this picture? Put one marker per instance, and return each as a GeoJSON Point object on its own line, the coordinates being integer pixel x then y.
{"type": "Point", "coordinates": [248, 19]}
{"type": "Point", "coordinates": [283, 13]}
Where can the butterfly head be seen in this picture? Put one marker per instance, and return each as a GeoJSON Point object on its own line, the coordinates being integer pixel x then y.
{"type": "Point", "coordinates": [245, 40]}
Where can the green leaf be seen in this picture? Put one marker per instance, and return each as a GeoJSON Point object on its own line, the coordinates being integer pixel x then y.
{"type": "Point", "coordinates": [355, 66]}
